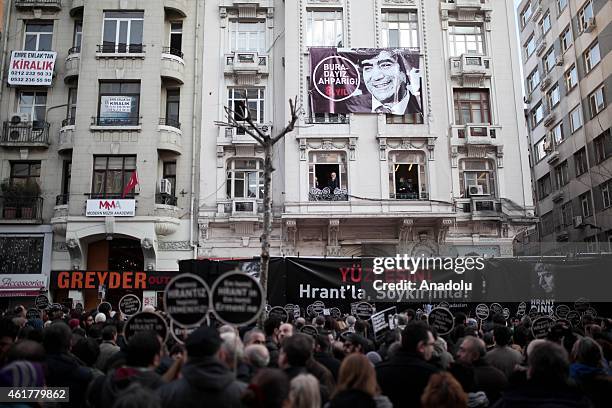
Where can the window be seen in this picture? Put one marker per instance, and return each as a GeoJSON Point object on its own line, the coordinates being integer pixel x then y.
{"type": "Point", "coordinates": [526, 15]}
{"type": "Point", "coordinates": [66, 175]}
{"type": "Point", "coordinates": [407, 175]}
{"type": "Point", "coordinates": [606, 198]}
{"type": "Point", "coordinates": [465, 39]}
{"type": "Point", "coordinates": [546, 23]}
{"type": "Point", "coordinates": [585, 204]}
{"type": "Point", "coordinates": [173, 102]}
{"type": "Point", "coordinates": [547, 223]}
{"type": "Point", "coordinates": [561, 4]}
{"type": "Point", "coordinates": [479, 174]}
{"type": "Point", "coordinates": [585, 14]}
{"type": "Point", "coordinates": [580, 161]}
{"type": "Point", "coordinates": [592, 57]}
{"type": "Point", "coordinates": [603, 146]}
{"type": "Point", "coordinates": [530, 46]}
{"type": "Point", "coordinates": [571, 78]}
{"type": "Point", "coordinates": [119, 104]}
{"type": "Point", "coordinates": [122, 32]}
{"type": "Point", "coordinates": [176, 38]}
{"type": "Point", "coordinates": [561, 176]}
{"type": "Point", "coordinates": [241, 99]}
{"type": "Point", "coordinates": [71, 108]}
{"type": "Point", "coordinates": [38, 35]}
{"type": "Point", "coordinates": [567, 214]}
{"type": "Point", "coordinates": [400, 29]}
{"type": "Point", "coordinates": [407, 119]}
{"type": "Point", "coordinates": [245, 178]}
{"type": "Point", "coordinates": [549, 60]}
{"type": "Point", "coordinates": [471, 106]}
{"type": "Point", "coordinates": [327, 176]}
{"type": "Point", "coordinates": [77, 37]}
{"type": "Point", "coordinates": [169, 173]}
{"type": "Point", "coordinates": [111, 175]}
{"type": "Point", "coordinates": [544, 186]}
{"type": "Point", "coordinates": [248, 36]}
{"type": "Point", "coordinates": [575, 119]}
{"type": "Point", "coordinates": [540, 149]}
{"type": "Point", "coordinates": [34, 103]}
{"type": "Point", "coordinates": [25, 173]}
{"type": "Point", "coordinates": [557, 133]}
{"type": "Point", "coordinates": [324, 28]}
{"type": "Point", "coordinates": [596, 101]}
{"type": "Point", "coordinates": [537, 114]}
{"type": "Point", "coordinates": [553, 96]}
{"type": "Point", "coordinates": [565, 39]}
{"type": "Point", "coordinates": [21, 255]}
{"type": "Point", "coordinates": [533, 80]}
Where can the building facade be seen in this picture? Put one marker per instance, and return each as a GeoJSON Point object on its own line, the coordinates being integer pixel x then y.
{"type": "Point", "coordinates": [465, 157]}
{"type": "Point", "coordinates": [97, 142]}
{"type": "Point", "coordinates": [567, 69]}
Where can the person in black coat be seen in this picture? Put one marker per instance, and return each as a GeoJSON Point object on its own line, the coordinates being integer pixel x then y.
{"type": "Point", "coordinates": [324, 356]}
{"type": "Point", "coordinates": [404, 377]}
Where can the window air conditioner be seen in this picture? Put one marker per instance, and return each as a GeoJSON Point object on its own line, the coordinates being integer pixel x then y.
{"type": "Point", "coordinates": [476, 190]}
{"type": "Point", "coordinates": [578, 221]}
{"type": "Point", "coordinates": [165, 187]}
{"type": "Point", "coordinates": [20, 117]}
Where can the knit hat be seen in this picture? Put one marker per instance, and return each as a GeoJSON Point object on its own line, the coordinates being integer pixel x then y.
{"type": "Point", "coordinates": [374, 357]}
{"type": "Point", "coordinates": [204, 342]}
{"type": "Point", "coordinates": [100, 318]}
{"type": "Point", "coordinates": [22, 374]}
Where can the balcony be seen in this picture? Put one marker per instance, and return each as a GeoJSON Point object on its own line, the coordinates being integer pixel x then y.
{"type": "Point", "coordinates": [172, 64]}
{"type": "Point", "coordinates": [20, 209]}
{"type": "Point", "coordinates": [241, 208]}
{"type": "Point", "coordinates": [541, 47]}
{"type": "Point", "coordinates": [73, 64]}
{"type": "Point", "coordinates": [116, 123]}
{"type": "Point", "coordinates": [475, 134]}
{"type": "Point", "coordinates": [550, 118]}
{"type": "Point", "coordinates": [165, 199]}
{"type": "Point", "coordinates": [235, 136]}
{"type": "Point", "coordinates": [25, 134]}
{"type": "Point", "coordinates": [169, 136]}
{"type": "Point", "coordinates": [120, 51]}
{"type": "Point", "coordinates": [325, 194]}
{"type": "Point", "coordinates": [485, 207]}
{"type": "Point", "coordinates": [54, 5]}
{"type": "Point", "coordinates": [246, 64]}
{"type": "Point", "coordinates": [76, 7]}
{"type": "Point", "coordinates": [553, 156]}
{"type": "Point", "coordinates": [66, 135]}
{"type": "Point", "coordinates": [179, 7]}
{"type": "Point", "coordinates": [472, 69]}
{"type": "Point", "coordinates": [466, 5]}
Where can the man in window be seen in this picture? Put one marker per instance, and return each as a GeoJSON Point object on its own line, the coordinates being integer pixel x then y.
{"type": "Point", "coordinates": [394, 85]}
{"type": "Point", "coordinates": [333, 182]}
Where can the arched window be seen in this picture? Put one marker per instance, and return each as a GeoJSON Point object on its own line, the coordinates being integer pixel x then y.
{"type": "Point", "coordinates": [407, 175]}
{"type": "Point", "coordinates": [477, 177]}
{"type": "Point", "coordinates": [245, 178]}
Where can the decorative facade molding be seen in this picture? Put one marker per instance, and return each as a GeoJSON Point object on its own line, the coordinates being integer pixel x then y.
{"type": "Point", "coordinates": [174, 246]}
{"type": "Point", "coordinates": [203, 227]}
{"type": "Point", "coordinates": [405, 233]}
{"type": "Point", "coordinates": [454, 156]}
{"type": "Point", "coordinates": [332, 232]}
{"type": "Point", "coordinates": [60, 247]}
{"type": "Point", "coordinates": [443, 228]}
{"type": "Point", "coordinates": [290, 241]}
{"type": "Point", "coordinates": [499, 155]}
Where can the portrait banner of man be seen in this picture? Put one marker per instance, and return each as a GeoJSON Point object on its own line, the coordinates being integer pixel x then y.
{"type": "Point", "coordinates": [365, 80]}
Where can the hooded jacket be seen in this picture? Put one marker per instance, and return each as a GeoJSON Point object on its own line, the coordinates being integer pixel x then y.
{"type": "Point", "coordinates": [205, 380]}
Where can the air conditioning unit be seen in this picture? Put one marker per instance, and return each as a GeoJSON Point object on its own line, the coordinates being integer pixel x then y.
{"type": "Point", "coordinates": [20, 117]}
{"type": "Point", "coordinates": [578, 221]}
{"type": "Point", "coordinates": [476, 190]}
{"type": "Point", "coordinates": [590, 25]}
{"type": "Point", "coordinates": [559, 60]}
{"type": "Point", "coordinates": [165, 187]}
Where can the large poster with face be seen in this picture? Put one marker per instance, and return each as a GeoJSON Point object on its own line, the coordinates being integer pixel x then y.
{"type": "Point", "coordinates": [365, 80]}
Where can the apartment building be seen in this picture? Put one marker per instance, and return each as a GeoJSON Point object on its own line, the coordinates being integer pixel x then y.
{"type": "Point", "coordinates": [97, 105]}
{"type": "Point", "coordinates": [456, 172]}
{"type": "Point", "coordinates": [567, 67]}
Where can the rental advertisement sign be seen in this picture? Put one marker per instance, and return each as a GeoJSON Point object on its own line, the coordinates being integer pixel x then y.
{"type": "Point", "coordinates": [31, 68]}
{"type": "Point", "coordinates": [104, 207]}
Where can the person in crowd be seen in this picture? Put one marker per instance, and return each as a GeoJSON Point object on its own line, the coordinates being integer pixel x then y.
{"type": "Point", "coordinates": [256, 356]}
{"type": "Point", "coordinates": [299, 323]}
{"type": "Point", "coordinates": [142, 356]}
{"type": "Point", "coordinates": [357, 386]}
{"type": "Point", "coordinates": [8, 334]}
{"type": "Point", "coordinates": [350, 323]}
{"type": "Point", "coordinates": [502, 356]}
{"type": "Point", "coordinates": [323, 355]}
{"type": "Point", "coordinates": [355, 343]}
{"type": "Point", "coordinates": [590, 372]}
{"type": "Point", "coordinates": [547, 381]}
{"type": "Point", "coordinates": [108, 347]}
{"type": "Point", "coordinates": [254, 336]}
{"type": "Point", "coordinates": [489, 379]}
{"type": "Point", "coordinates": [26, 350]}
{"type": "Point", "coordinates": [443, 391]}
{"type": "Point", "coordinates": [271, 329]}
{"type": "Point", "coordinates": [333, 183]}
{"type": "Point", "coordinates": [410, 361]}
{"type": "Point", "coordinates": [137, 396]}
{"type": "Point", "coordinates": [231, 353]}
{"type": "Point", "coordinates": [441, 358]}
{"type": "Point", "coordinates": [268, 389]}
{"type": "Point", "coordinates": [204, 378]}
{"type": "Point", "coordinates": [285, 330]}
{"type": "Point", "coordinates": [63, 369]}
{"type": "Point", "coordinates": [304, 392]}
{"type": "Point", "coordinates": [87, 350]}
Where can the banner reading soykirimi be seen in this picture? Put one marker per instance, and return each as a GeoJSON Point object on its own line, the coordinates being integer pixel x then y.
{"type": "Point", "coordinates": [365, 80]}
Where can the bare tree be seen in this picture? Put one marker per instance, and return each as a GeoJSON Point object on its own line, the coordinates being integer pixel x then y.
{"type": "Point", "coordinates": [244, 122]}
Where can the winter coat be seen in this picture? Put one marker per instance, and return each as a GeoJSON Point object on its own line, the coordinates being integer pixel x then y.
{"type": "Point", "coordinates": [329, 362]}
{"type": "Point", "coordinates": [205, 381]}
{"type": "Point", "coordinates": [504, 358]}
{"type": "Point", "coordinates": [107, 350]}
{"type": "Point", "coordinates": [104, 390]}
{"type": "Point", "coordinates": [594, 382]}
{"type": "Point", "coordinates": [534, 396]}
{"type": "Point", "coordinates": [490, 380]}
{"type": "Point", "coordinates": [66, 370]}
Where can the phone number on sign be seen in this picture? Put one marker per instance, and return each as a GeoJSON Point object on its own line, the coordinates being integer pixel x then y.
{"type": "Point", "coordinates": [33, 394]}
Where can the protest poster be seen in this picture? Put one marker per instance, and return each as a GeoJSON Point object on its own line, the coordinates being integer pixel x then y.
{"type": "Point", "coordinates": [237, 298]}
{"type": "Point", "coordinates": [187, 300]}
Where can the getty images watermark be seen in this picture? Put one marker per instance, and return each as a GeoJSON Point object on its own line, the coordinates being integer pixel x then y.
{"type": "Point", "coordinates": [405, 278]}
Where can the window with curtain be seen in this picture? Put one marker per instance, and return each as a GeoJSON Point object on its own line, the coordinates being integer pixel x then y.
{"type": "Point", "coordinates": [111, 175]}
{"type": "Point", "coordinates": [471, 106]}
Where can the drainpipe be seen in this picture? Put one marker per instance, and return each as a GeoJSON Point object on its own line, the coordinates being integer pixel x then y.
{"type": "Point", "coordinates": [194, 137]}
{"type": "Point", "coordinates": [7, 19]}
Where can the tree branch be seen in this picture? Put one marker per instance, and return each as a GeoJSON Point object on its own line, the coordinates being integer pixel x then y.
{"type": "Point", "coordinates": [251, 130]}
{"type": "Point", "coordinates": [291, 125]}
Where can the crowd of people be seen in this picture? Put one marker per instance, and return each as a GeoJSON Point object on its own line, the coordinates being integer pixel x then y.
{"type": "Point", "coordinates": [496, 364]}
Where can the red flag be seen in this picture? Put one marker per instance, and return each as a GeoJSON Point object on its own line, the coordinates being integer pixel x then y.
{"type": "Point", "coordinates": [132, 183]}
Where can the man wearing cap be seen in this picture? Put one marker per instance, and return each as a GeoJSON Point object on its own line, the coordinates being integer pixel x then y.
{"type": "Point", "coordinates": [205, 379]}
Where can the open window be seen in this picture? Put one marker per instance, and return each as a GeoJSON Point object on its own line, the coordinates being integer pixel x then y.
{"type": "Point", "coordinates": [327, 176]}
{"type": "Point", "coordinates": [407, 176]}
{"type": "Point", "coordinates": [477, 178]}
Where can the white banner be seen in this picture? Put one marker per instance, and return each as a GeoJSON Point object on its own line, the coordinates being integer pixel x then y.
{"type": "Point", "coordinates": [105, 207]}
{"type": "Point", "coordinates": [23, 282]}
{"type": "Point", "coordinates": [116, 104]}
{"type": "Point", "coordinates": [31, 68]}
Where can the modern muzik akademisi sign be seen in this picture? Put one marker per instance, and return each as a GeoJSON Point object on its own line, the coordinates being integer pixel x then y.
{"type": "Point", "coordinates": [365, 80]}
